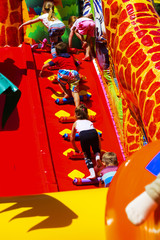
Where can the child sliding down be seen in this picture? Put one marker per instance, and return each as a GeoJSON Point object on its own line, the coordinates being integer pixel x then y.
{"type": "Point", "coordinates": [140, 208]}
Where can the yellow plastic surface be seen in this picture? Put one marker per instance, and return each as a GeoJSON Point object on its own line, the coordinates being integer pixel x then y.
{"type": "Point", "coordinates": [63, 215]}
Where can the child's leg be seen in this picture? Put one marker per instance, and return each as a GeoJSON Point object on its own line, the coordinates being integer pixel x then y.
{"type": "Point", "coordinates": [39, 45]}
{"type": "Point", "coordinates": [85, 145]}
{"type": "Point", "coordinates": [63, 87]}
{"type": "Point", "coordinates": [98, 160]}
{"type": "Point", "coordinates": [34, 46]}
{"type": "Point", "coordinates": [74, 87]}
{"type": "Point", "coordinates": [81, 38]}
{"type": "Point", "coordinates": [96, 147]}
{"type": "Point", "coordinates": [53, 41]}
{"type": "Point", "coordinates": [62, 77]}
{"type": "Point", "coordinates": [87, 54]}
{"type": "Point", "coordinates": [90, 168]}
{"type": "Point", "coordinates": [140, 208]}
{"type": "Point", "coordinates": [76, 98]}
{"type": "Point", "coordinates": [53, 50]}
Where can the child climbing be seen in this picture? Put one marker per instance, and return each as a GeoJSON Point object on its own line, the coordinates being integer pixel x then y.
{"type": "Point", "coordinates": [67, 73]}
{"type": "Point", "coordinates": [56, 28]}
{"type": "Point", "coordinates": [140, 208]}
{"type": "Point", "coordinates": [80, 27]}
{"type": "Point", "coordinates": [108, 169]}
{"type": "Point", "coordinates": [88, 138]}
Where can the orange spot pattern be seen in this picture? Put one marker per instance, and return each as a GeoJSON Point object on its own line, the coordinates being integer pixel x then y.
{"type": "Point", "coordinates": [10, 19]}
{"type": "Point", "coordinates": [133, 35]}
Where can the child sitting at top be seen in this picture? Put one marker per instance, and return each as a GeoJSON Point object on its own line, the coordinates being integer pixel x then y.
{"type": "Point", "coordinates": [108, 168]}
{"type": "Point", "coordinates": [80, 27]}
{"type": "Point", "coordinates": [67, 73]}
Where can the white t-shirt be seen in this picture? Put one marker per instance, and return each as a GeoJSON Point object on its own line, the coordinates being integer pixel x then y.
{"type": "Point", "coordinates": [83, 124]}
{"type": "Point", "coordinates": [75, 24]}
{"type": "Point", "coordinates": [44, 19]}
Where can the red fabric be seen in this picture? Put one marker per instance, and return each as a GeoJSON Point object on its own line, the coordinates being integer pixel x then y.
{"type": "Point", "coordinates": [64, 62]}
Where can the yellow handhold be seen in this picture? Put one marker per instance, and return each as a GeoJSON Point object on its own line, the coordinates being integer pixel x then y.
{"type": "Point", "coordinates": [68, 151]}
{"type": "Point", "coordinates": [76, 174]}
{"type": "Point", "coordinates": [62, 113]}
{"type": "Point", "coordinates": [57, 95]}
{"type": "Point", "coordinates": [47, 61]}
{"type": "Point", "coordinates": [90, 112]}
{"type": "Point", "coordinates": [65, 131]}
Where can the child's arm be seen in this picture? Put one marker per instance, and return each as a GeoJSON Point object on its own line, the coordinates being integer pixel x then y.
{"type": "Point", "coordinates": [71, 37]}
{"type": "Point", "coordinates": [81, 38]}
{"type": "Point", "coordinates": [72, 138]}
{"type": "Point", "coordinates": [29, 22]}
{"type": "Point", "coordinates": [43, 67]}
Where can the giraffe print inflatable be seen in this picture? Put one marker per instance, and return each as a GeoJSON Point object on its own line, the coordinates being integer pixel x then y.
{"type": "Point", "coordinates": [133, 35]}
{"type": "Point", "coordinates": [10, 19]}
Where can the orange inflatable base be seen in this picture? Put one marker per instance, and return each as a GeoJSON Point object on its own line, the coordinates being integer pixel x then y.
{"type": "Point", "coordinates": [130, 180]}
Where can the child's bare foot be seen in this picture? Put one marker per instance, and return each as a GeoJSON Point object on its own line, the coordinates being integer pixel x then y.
{"type": "Point", "coordinates": [84, 45]}
{"type": "Point", "coordinates": [34, 46]}
{"type": "Point", "coordinates": [66, 95]}
{"type": "Point", "coordinates": [86, 58]}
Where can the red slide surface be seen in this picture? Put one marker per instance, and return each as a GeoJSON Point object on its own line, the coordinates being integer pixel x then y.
{"type": "Point", "coordinates": [32, 155]}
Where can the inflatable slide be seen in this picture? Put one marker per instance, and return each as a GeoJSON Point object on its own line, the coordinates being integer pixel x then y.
{"type": "Point", "coordinates": [36, 173]}
{"type": "Point", "coordinates": [38, 197]}
{"type": "Point", "coordinates": [33, 140]}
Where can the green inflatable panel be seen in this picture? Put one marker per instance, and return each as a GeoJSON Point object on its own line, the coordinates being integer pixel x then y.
{"type": "Point", "coordinates": [38, 31]}
{"type": "Point", "coordinates": [12, 97]}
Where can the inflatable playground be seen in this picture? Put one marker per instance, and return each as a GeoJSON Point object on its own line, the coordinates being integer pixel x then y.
{"type": "Point", "coordinates": [44, 191]}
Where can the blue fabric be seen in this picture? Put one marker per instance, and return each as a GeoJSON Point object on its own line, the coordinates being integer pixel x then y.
{"type": "Point", "coordinates": [57, 29]}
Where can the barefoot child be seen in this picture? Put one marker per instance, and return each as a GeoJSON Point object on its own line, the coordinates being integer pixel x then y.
{"type": "Point", "coordinates": [80, 27]}
{"type": "Point", "coordinates": [67, 73]}
{"type": "Point", "coordinates": [88, 138]}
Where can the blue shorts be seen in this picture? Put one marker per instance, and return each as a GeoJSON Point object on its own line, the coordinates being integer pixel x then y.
{"type": "Point", "coordinates": [70, 77]}
{"type": "Point", "coordinates": [56, 29]}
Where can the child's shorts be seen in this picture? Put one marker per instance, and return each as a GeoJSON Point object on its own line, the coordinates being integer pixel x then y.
{"type": "Point", "coordinates": [70, 77]}
{"type": "Point", "coordinates": [86, 27]}
{"type": "Point", "coordinates": [56, 29]}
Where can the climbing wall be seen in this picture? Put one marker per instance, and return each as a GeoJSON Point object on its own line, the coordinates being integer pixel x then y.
{"type": "Point", "coordinates": [66, 169]}
{"type": "Point", "coordinates": [33, 151]}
